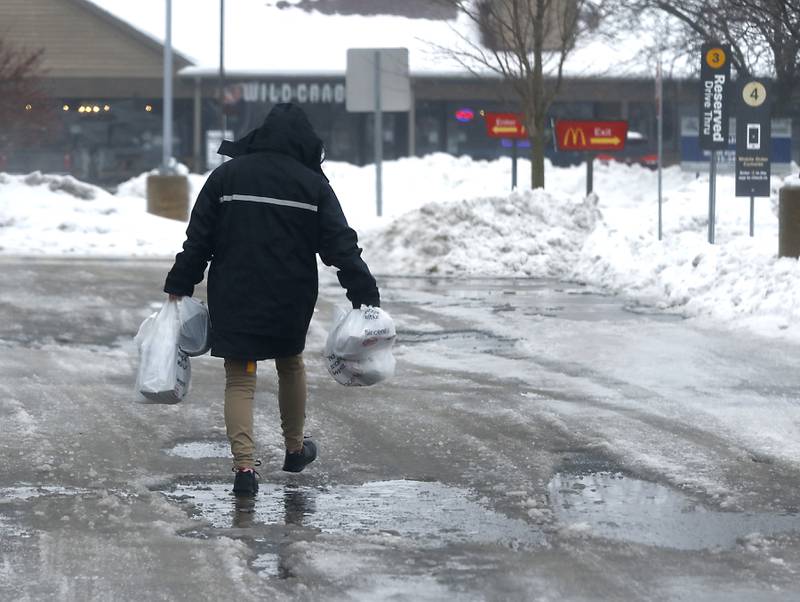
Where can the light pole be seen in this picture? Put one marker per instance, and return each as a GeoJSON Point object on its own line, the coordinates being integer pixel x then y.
{"type": "Point", "coordinates": [166, 156]}
{"type": "Point", "coordinates": [222, 119]}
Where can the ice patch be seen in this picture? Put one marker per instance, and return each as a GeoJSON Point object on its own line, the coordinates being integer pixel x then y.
{"type": "Point", "coordinates": [13, 494]}
{"type": "Point", "coordinates": [9, 529]}
{"type": "Point", "coordinates": [201, 449]}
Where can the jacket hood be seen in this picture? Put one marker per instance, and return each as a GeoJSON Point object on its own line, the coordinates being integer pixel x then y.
{"type": "Point", "coordinates": [286, 130]}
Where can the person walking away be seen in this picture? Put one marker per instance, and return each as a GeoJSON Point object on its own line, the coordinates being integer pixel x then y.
{"type": "Point", "coordinates": [260, 220]}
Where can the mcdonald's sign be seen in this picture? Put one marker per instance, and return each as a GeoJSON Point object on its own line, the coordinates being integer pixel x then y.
{"type": "Point", "coordinates": [574, 135]}
{"type": "Point", "coordinates": [505, 125]}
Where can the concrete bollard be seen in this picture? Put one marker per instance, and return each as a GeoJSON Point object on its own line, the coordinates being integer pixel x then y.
{"type": "Point", "coordinates": [789, 222]}
{"type": "Point", "coordinates": [168, 196]}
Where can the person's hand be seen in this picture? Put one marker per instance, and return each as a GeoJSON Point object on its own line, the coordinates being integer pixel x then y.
{"type": "Point", "coordinates": [175, 297]}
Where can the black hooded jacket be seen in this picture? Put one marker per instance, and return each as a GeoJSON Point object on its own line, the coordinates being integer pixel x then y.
{"type": "Point", "coordinates": [260, 220]}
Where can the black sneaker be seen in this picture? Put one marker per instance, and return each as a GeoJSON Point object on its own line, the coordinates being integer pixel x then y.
{"type": "Point", "coordinates": [245, 482]}
{"type": "Point", "coordinates": [297, 461]}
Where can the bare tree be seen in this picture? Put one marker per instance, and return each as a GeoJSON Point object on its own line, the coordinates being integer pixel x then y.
{"type": "Point", "coordinates": [763, 35]}
{"type": "Point", "coordinates": [526, 43]}
{"type": "Point", "coordinates": [25, 109]}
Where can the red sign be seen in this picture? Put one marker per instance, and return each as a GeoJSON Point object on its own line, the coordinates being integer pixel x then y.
{"type": "Point", "coordinates": [465, 115]}
{"type": "Point", "coordinates": [505, 125]}
{"type": "Point", "coordinates": [590, 135]}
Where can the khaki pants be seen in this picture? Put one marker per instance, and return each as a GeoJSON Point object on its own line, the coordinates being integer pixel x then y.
{"type": "Point", "coordinates": [240, 389]}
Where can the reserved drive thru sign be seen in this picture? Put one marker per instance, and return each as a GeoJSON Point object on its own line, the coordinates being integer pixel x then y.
{"type": "Point", "coordinates": [715, 75]}
{"type": "Point", "coordinates": [575, 135]}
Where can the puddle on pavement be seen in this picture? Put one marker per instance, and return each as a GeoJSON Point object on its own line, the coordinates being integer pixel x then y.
{"type": "Point", "coordinates": [615, 505]}
{"type": "Point", "coordinates": [430, 513]}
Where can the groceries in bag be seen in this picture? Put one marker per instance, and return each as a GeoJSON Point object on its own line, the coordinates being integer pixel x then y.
{"type": "Point", "coordinates": [164, 370]}
{"type": "Point", "coordinates": [195, 333]}
{"type": "Point", "coordinates": [359, 347]}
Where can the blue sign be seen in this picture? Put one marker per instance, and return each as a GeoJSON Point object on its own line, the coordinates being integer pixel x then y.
{"type": "Point", "coordinates": [508, 143]}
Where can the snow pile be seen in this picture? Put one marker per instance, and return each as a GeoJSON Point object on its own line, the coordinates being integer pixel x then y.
{"type": "Point", "coordinates": [739, 280]}
{"type": "Point", "coordinates": [528, 233]}
{"type": "Point", "coordinates": [445, 215]}
{"type": "Point", "coordinates": [50, 214]}
{"type": "Point", "coordinates": [410, 183]}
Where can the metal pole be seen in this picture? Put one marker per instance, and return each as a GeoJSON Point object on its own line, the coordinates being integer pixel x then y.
{"type": "Point", "coordinates": [167, 110]}
{"type": "Point", "coordinates": [513, 164]}
{"type": "Point", "coordinates": [752, 216]}
{"type": "Point", "coordinates": [412, 126]}
{"type": "Point", "coordinates": [197, 126]}
{"type": "Point", "coordinates": [589, 173]}
{"type": "Point", "coordinates": [712, 196]}
{"type": "Point", "coordinates": [660, 136]}
{"type": "Point", "coordinates": [378, 136]}
{"type": "Point", "coordinates": [223, 125]}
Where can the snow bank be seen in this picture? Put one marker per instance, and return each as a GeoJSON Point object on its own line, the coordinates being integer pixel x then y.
{"type": "Point", "coordinates": [528, 233]}
{"type": "Point", "coordinates": [739, 280]}
{"type": "Point", "coordinates": [454, 216]}
{"type": "Point", "coordinates": [50, 214]}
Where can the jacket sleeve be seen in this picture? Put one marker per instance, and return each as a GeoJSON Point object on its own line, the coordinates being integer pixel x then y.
{"type": "Point", "coordinates": [338, 246]}
{"type": "Point", "coordinates": [191, 263]}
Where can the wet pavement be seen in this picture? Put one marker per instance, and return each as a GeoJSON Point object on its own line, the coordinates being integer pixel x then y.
{"type": "Point", "coordinates": [541, 441]}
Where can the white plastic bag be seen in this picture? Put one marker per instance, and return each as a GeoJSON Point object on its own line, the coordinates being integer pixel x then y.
{"type": "Point", "coordinates": [164, 370]}
{"type": "Point", "coordinates": [195, 333]}
{"type": "Point", "coordinates": [359, 347]}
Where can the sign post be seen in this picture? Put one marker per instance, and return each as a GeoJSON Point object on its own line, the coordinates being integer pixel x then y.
{"type": "Point", "coordinates": [660, 136]}
{"type": "Point", "coordinates": [753, 142]}
{"type": "Point", "coordinates": [715, 75]}
{"type": "Point", "coordinates": [510, 126]}
{"type": "Point", "coordinates": [377, 80]}
{"type": "Point", "coordinates": [577, 135]}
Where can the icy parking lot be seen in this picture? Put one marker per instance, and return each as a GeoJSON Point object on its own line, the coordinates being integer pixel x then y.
{"type": "Point", "coordinates": [540, 441]}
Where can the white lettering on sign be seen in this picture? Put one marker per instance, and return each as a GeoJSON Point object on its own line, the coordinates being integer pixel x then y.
{"type": "Point", "coordinates": [713, 92]}
{"type": "Point", "coordinates": [602, 131]}
{"type": "Point", "coordinates": [303, 93]}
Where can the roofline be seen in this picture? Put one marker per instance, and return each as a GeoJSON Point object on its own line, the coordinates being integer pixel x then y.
{"type": "Point", "coordinates": [206, 73]}
{"type": "Point", "coordinates": [138, 34]}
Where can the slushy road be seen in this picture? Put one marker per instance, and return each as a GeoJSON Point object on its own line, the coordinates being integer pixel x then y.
{"type": "Point", "coordinates": [539, 442]}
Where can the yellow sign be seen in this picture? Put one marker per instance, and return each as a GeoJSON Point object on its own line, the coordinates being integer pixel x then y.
{"type": "Point", "coordinates": [754, 94]}
{"type": "Point", "coordinates": [715, 58]}
{"type": "Point", "coordinates": [575, 134]}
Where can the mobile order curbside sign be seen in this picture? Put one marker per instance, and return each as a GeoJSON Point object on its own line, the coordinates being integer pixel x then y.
{"type": "Point", "coordinates": [715, 75]}
{"type": "Point", "coordinates": [753, 138]}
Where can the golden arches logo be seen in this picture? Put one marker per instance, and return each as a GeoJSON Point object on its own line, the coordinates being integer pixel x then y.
{"type": "Point", "coordinates": [575, 134]}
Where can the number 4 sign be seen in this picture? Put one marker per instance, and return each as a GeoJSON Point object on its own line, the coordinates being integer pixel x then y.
{"type": "Point", "coordinates": [753, 142]}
